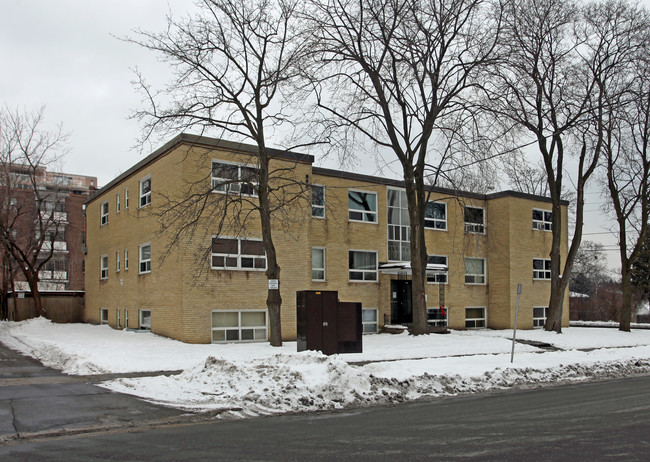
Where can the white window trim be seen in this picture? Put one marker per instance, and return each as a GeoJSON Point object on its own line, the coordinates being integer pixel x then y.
{"type": "Point", "coordinates": [475, 275]}
{"type": "Point", "coordinates": [543, 320]}
{"type": "Point", "coordinates": [471, 227]}
{"type": "Point", "coordinates": [398, 226]}
{"type": "Point", "coordinates": [371, 212]}
{"type": "Point", "coordinates": [543, 271]}
{"type": "Point", "coordinates": [103, 316]}
{"type": "Point", "coordinates": [126, 259]}
{"type": "Point", "coordinates": [446, 220]}
{"type": "Point", "coordinates": [103, 270]}
{"type": "Point", "coordinates": [126, 318]}
{"type": "Point", "coordinates": [238, 182]}
{"type": "Point", "coordinates": [126, 198]}
{"type": "Point", "coordinates": [117, 261]}
{"type": "Point", "coordinates": [238, 255]}
{"type": "Point", "coordinates": [118, 317]}
{"type": "Point", "coordinates": [147, 195]}
{"type": "Point", "coordinates": [438, 322]}
{"type": "Point", "coordinates": [117, 203]}
{"type": "Point", "coordinates": [484, 318]}
{"type": "Point", "coordinates": [239, 327]}
{"type": "Point", "coordinates": [376, 271]}
{"type": "Point", "coordinates": [446, 272]}
{"type": "Point", "coordinates": [320, 207]}
{"type": "Point", "coordinates": [542, 225]}
{"type": "Point", "coordinates": [367, 323]}
{"type": "Point", "coordinates": [140, 313]}
{"type": "Point", "coordinates": [324, 268]}
{"type": "Point", "coordinates": [104, 216]}
{"type": "Point", "coordinates": [140, 261]}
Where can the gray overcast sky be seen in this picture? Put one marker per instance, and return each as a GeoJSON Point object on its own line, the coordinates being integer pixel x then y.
{"type": "Point", "coordinates": [63, 55]}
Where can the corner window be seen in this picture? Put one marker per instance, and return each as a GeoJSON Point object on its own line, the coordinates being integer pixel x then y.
{"type": "Point", "coordinates": [399, 231]}
{"type": "Point", "coordinates": [362, 206]}
{"type": "Point", "coordinates": [435, 215]}
{"type": "Point", "coordinates": [103, 316]}
{"type": "Point", "coordinates": [104, 212]}
{"type": "Point", "coordinates": [474, 220]}
{"type": "Point", "coordinates": [238, 326]}
{"type": "Point", "coordinates": [362, 266]}
{"type": "Point", "coordinates": [234, 178]}
{"type": "Point", "coordinates": [369, 317]}
{"type": "Point", "coordinates": [435, 277]}
{"type": "Point", "coordinates": [317, 264]}
{"type": "Point", "coordinates": [474, 271]}
{"type": "Point", "coordinates": [145, 320]}
{"type": "Point", "coordinates": [541, 268]}
{"type": "Point", "coordinates": [540, 314]}
{"type": "Point", "coordinates": [542, 220]}
{"type": "Point", "coordinates": [103, 264]}
{"type": "Point", "coordinates": [145, 191]}
{"type": "Point", "coordinates": [238, 254]}
{"type": "Point", "coordinates": [145, 258]}
{"type": "Point", "coordinates": [475, 317]}
{"type": "Point", "coordinates": [438, 317]}
{"type": "Point", "coordinates": [317, 201]}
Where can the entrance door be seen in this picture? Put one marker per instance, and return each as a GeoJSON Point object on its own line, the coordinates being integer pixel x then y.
{"type": "Point", "coordinates": [401, 309]}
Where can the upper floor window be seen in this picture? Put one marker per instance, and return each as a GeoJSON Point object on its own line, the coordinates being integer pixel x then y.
{"type": "Point", "coordinates": [145, 191]}
{"type": "Point", "coordinates": [474, 220]}
{"type": "Point", "coordinates": [233, 253]}
{"type": "Point", "coordinates": [317, 201]}
{"type": "Point", "coordinates": [363, 265]}
{"type": "Point", "coordinates": [117, 203]}
{"type": "Point", "coordinates": [317, 264]}
{"type": "Point", "coordinates": [145, 258]}
{"type": "Point", "coordinates": [103, 265]}
{"type": "Point", "coordinates": [542, 219]}
{"type": "Point", "coordinates": [126, 259]}
{"type": "Point", "coordinates": [104, 212]}
{"type": "Point", "coordinates": [126, 198]}
{"type": "Point", "coordinates": [435, 215]}
{"type": "Point", "coordinates": [438, 277]}
{"type": "Point", "coordinates": [474, 271]}
{"type": "Point", "coordinates": [541, 268]}
{"type": "Point", "coordinates": [117, 261]}
{"type": "Point", "coordinates": [234, 178]}
{"type": "Point", "coordinates": [399, 231]}
{"type": "Point", "coordinates": [362, 206]}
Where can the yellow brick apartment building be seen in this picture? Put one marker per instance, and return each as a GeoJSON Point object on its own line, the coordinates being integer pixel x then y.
{"type": "Point", "coordinates": [350, 233]}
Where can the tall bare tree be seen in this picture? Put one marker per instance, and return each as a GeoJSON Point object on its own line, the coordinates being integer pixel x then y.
{"type": "Point", "coordinates": [395, 73]}
{"type": "Point", "coordinates": [232, 61]}
{"type": "Point", "coordinates": [29, 224]}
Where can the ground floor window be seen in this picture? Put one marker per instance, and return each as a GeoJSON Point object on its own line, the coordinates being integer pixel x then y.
{"type": "Point", "coordinates": [126, 318]}
{"type": "Point", "coordinates": [239, 326]}
{"type": "Point", "coordinates": [540, 313]}
{"type": "Point", "coordinates": [104, 316]}
{"type": "Point", "coordinates": [369, 317]}
{"type": "Point", "coordinates": [145, 319]}
{"type": "Point", "coordinates": [118, 319]}
{"type": "Point", "coordinates": [475, 317]}
{"type": "Point", "coordinates": [438, 317]}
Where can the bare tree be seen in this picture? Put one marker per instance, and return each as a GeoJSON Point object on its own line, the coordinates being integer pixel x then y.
{"type": "Point", "coordinates": [232, 61]}
{"type": "Point", "coordinates": [396, 73]}
{"type": "Point", "coordinates": [29, 224]}
{"type": "Point", "coordinates": [590, 268]}
{"type": "Point", "coordinates": [627, 134]}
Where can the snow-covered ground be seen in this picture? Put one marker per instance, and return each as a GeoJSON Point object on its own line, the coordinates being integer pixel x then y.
{"type": "Point", "coordinates": [254, 379]}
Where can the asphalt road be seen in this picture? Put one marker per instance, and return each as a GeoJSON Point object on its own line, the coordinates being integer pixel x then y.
{"type": "Point", "coordinates": [590, 421]}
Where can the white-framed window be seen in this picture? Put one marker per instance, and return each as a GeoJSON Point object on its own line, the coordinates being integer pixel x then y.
{"type": "Point", "coordinates": [103, 266]}
{"type": "Point", "coordinates": [540, 314]}
{"type": "Point", "coordinates": [542, 219]}
{"type": "Point", "coordinates": [437, 317]}
{"type": "Point", "coordinates": [317, 264]}
{"type": "Point", "coordinates": [117, 261]}
{"type": "Point", "coordinates": [126, 259]}
{"type": "Point", "coordinates": [144, 319]}
{"type": "Point", "coordinates": [126, 198]}
{"type": "Point", "coordinates": [231, 253]}
{"type": "Point", "coordinates": [229, 177]}
{"type": "Point", "coordinates": [435, 215]}
{"type": "Point", "coordinates": [145, 258]}
{"type": "Point", "coordinates": [369, 320]}
{"type": "Point", "coordinates": [474, 270]}
{"type": "Point", "coordinates": [104, 212]}
{"type": "Point", "coordinates": [475, 317]}
{"type": "Point", "coordinates": [118, 319]}
{"type": "Point", "coordinates": [126, 318]}
{"type": "Point", "coordinates": [436, 277]}
{"type": "Point", "coordinates": [363, 265]}
{"type": "Point", "coordinates": [399, 231]}
{"type": "Point", "coordinates": [145, 191]}
{"type": "Point", "coordinates": [103, 315]}
{"type": "Point", "coordinates": [238, 326]}
{"type": "Point", "coordinates": [362, 206]}
{"type": "Point", "coordinates": [317, 201]}
{"type": "Point", "coordinates": [117, 203]}
{"type": "Point", "coordinates": [474, 220]}
{"type": "Point", "coordinates": [541, 268]}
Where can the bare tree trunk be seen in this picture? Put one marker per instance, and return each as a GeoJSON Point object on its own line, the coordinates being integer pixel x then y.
{"type": "Point", "coordinates": [32, 280]}
{"type": "Point", "coordinates": [626, 307]}
{"type": "Point", "coordinates": [415, 195]}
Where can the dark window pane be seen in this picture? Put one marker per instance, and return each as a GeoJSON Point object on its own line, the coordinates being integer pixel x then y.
{"type": "Point", "coordinates": [220, 245]}
{"type": "Point", "coordinates": [252, 247]}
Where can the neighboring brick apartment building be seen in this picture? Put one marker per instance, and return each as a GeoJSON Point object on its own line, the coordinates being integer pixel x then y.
{"type": "Point", "coordinates": [349, 239]}
{"type": "Point", "coordinates": [63, 195]}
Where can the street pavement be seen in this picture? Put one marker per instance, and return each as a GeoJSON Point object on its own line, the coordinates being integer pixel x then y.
{"type": "Point", "coordinates": [38, 401]}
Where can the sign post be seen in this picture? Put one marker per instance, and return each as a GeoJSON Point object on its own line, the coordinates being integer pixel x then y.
{"type": "Point", "coordinates": [514, 332]}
